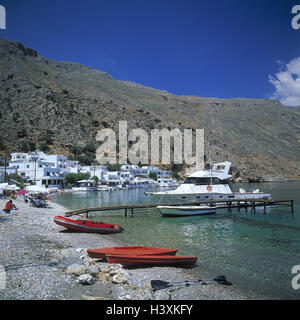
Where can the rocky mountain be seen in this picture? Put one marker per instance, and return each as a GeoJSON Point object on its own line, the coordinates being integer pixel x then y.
{"type": "Point", "coordinates": [55, 105]}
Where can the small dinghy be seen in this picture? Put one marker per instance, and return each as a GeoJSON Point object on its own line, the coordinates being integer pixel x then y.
{"type": "Point", "coordinates": [151, 260]}
{"type": "Point", "coordinates": [87, 226]}
{"type": "Point", "coordinates": [102, 252]}
{"type": "Point", "coordinates": [180, 211]}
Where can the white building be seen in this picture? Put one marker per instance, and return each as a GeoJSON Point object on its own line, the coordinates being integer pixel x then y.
{"type": "Point", "coordinates": [59, 161]}
{"type": "Point", "coordinates": [72, 166]}
{"type": "Point", "coordinates": [98, 171]}
{"type": "Point", "coordinates": [132, 168]}
{"type": "Point", "coordinates": [146, 170]}
{"type": "Point", "coordinates": [40, 172]}
{"type": "Point", "coordinates": [118, 177]}
{"type": "Point", "coordinates": [167, 182]}
{"type": "Point", "coordinates": [9, 170]}
{"type": "Point", "coordinates": [19, 156]}
{"type": "Point", "coordinates": [50, 170]}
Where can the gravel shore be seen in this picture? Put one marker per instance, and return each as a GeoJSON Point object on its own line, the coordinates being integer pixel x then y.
{"type": "Point", "coordinates": [38, 259]}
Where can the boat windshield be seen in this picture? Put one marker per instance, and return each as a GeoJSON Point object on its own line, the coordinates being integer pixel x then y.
{"type": "Point", "coordinates": [204, 181]}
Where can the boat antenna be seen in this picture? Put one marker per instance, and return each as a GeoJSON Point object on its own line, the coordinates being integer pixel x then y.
{"type": "Point", "coordinates": [210, 173]}
{"type": "Point", "coordinates": [211, 185]}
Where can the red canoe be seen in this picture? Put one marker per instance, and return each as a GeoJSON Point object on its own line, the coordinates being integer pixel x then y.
{"type": "Point", "coordinates": [87, 226]}
{"type": "Point", "coordinates": [153, 260]}
{"type": "Point", "coordinates": [102, 252]}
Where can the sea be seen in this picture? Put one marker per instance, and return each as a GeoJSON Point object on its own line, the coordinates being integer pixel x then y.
{"type": "Point", "coordinates": [255, 250]}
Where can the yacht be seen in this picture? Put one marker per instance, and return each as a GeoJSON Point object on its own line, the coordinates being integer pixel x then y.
{"type": "Point", "coordinates": [209, 185]}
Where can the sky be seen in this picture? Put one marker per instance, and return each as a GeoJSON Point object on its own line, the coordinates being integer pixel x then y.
{"type": "Point", "coordinates": [215, 48]}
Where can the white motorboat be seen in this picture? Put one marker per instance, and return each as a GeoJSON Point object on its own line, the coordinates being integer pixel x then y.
{"type": "Point", "coordinates": [207, 185]}
{"type": "Point", "coordinates": [179, 211]}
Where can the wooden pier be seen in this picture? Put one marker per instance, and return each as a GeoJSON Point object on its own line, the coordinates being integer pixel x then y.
{"type": "Point", "coordinates": [219, 204]}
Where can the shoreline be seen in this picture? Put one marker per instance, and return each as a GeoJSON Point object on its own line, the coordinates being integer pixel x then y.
{"type": "Point", "coordinates": [38, 257]}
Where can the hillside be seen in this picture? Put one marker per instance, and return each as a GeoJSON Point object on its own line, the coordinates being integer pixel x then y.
{"type": "Point", "coordinates": [61, 104]}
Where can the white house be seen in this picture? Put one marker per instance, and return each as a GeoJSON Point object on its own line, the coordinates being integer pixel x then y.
{"type": "Point", "coordinates": [50, 170]}
{"type": "Point", "coordinates": [59, 161]}
{"type": "Point", "coordinates": [126, 176]}
{"type": "Point", "coordinates": [39, 172]}
{"type": "Point", "coordinates": [19, 156]}
{"type": "Point", "coordinates": [132, 168]}
{"type": "Point", "coordinates": [98, 171]}
{"type": "Point", "coordinates": [118, 177]}
{"type": "Point", "coordinates": [72, 166]}
{"type": "Point", "coordinates": [9, 170]}
{"type": "Point", "coordinates": [112, 176]}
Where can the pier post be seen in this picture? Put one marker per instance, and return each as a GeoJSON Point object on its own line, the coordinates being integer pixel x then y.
{"type": "Point", "coordinates": [253, 208]}
{"type": "Point", "coordinates": [229, 203]}
{"type": "Point", "coordinates": [125, 214]}
{"type": "Point", "coordinates": [265, 207]}
{"type": "Point", "coordinates": [292, 207]}
{"type": "Point", "coordinates": [132, 214]}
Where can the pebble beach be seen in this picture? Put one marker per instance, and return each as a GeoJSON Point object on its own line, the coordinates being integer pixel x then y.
{"type": "Point", "coordinates": [40, 260]}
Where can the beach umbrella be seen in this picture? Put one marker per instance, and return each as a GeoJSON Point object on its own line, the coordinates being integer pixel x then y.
{"type": "Point", "coordinates": [12, 187]}
{"type": "Point", "coordinates": [23, 191]}
{"type": "Point", "coordinates": [38, 189]}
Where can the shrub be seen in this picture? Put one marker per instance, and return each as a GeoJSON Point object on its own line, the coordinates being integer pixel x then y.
{"type": "Point", "coordinates": [47, 138]}
{"type": "Point", "coordinates": [43, 146]}
{"type": "Point", "coordinates": [75, 150]}
{"type": "Point", "coordinates": [153, 175]}
{"type": "Point", "coordinates": [86, 160]}
{"type": "Point", "coordinates": [21, 133]}
{"type": "Point", "coordinates": [90, 147]}
{"type": "Point", "coordinates": [73, 178]}
{"type": "Point", "coordinates": [26, 146]}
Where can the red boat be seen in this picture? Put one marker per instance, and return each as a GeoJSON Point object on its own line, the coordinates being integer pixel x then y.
{"type": "Point", "coordinates": [102, 252]}
{"type": "Point", "coordinates": [151, 260]}
{"type": "Point", "coordinates": [87, 226]}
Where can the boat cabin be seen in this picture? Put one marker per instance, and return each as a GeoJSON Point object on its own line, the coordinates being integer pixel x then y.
{"type": "Point", "coordinates": [204, 181]}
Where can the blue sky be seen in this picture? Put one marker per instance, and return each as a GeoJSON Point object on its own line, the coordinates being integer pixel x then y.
{"type": "Point", "coordinates": [215, 48]}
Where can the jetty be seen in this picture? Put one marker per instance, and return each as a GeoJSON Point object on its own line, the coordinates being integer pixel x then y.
{"type": "Point", "coordinates": [219, 204]}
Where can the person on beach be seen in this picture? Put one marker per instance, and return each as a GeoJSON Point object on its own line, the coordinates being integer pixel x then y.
{"type": "Point", "coordinates": [9, 206]}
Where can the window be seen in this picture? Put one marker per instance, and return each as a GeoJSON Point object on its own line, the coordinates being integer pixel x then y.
{"type": "Point", "coordinates": [204, 181]}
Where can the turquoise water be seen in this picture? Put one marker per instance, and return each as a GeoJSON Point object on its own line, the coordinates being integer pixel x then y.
{"type": "Point", "coordinates": [255, 251]}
